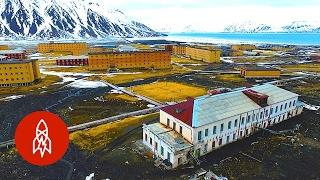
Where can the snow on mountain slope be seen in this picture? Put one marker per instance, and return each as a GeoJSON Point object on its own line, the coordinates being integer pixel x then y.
{"type": "Point", "coordinates": [293, 27]}
{"type": "Point", "coordinates": [248, 27]}
{"type": "Point", "coordinates": [66, 19]}
{"type": "Point", "coordinates": [302, 26]}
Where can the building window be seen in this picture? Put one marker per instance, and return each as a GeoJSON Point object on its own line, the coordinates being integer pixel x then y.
{"type": "Point", "coordinates": [266, 114]}
{"type": "Point", "coordinates": [228, 139]}
{"type": "Point", "coordinates": [206, 148]}
{"type": "Point", "coordinates": [220, 141]}
{"type": "Point", "coordinates": [242, 121]}
{"type": "Point", "coordinates": [276, 109]}
{"type": "Point", "coordinates": [213, 144]}
{"type": "Point", "coordinates": [199, 135]}
{"type": "Point", "coordinates": [234, 136]}
{"type": "Point", "coordinates": [236, 123]}
{"type": "Point", "coordinates": [168, 156]}
{"type": "Point", "coordinates": [214, 131]}
{"type": "Point", "coordinates": [248, 118]}
{"type": "Point", "coordinates": [290, 104]}
{"type": "Point", "coordinates": [174, 125]}
{"type": "Point", "coordinates": [294, 102]}
{"type": "Point", "coordinates": [285, 106]}
{"type": "Point", "coordinates": [156, 146]}
{"type": "Point", "coordinates": [168, 122]}
{"type": "Point", "coordinates": [162, 151]}
{"type": "Point", "coordinates": [151, 141]}
{"type": "Point", "coordinates": [221, 127]}
{"type": "Point", "coordinates": [281, 107]}
{"type": "Point", "coordinates": [261, 115]}
{"type": "Point", "coordinates": [180, 130]}
{"type": "Point", "coordinates": [229, 125]}
{"type": "Point", "coordinates": [179, 160]}
{"type": "Point", "coordinates": [146, 137]}
{"type": "Point", "coordinates": [206, 132]}
{"type": "Point", "coordinates": [271, 111]}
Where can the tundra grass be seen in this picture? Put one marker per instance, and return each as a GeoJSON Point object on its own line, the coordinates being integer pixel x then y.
{"type": "Point", "coordinates": [100, 136]}
{"type": "Point", "coordinates": [169, 91]}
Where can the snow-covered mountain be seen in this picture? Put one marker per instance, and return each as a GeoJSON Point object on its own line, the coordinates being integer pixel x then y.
{"type": "Point", "coordinates": [301, 26]}
{"type": "Point", "coordinates": [248, 27]}
{"type": "Point", "coordinates": [66, 19]}
{"type": "Point", "coordinates": [293, 27]}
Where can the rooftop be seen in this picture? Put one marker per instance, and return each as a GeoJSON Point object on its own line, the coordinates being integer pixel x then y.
{"type": "Point", "coordinates": [11, 51]}
{"type": "Point", "coordinates": [15, 61]}
{"type": "Point", "coordinates": [171, 137]}
{"type": "Point", "coordinates": [259, 68]}
{"type": "Point", "coordinates": [130, 52]}
{"type": "Point", "coordinates": [207, 109]}
{"type": "Point", "coordinates": [72, 57]}
{"type": "Point", "coordinates": [182, 111]}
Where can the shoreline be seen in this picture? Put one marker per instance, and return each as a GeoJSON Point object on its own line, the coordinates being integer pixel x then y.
{"type": "Point", "coordinates": [297, 39]}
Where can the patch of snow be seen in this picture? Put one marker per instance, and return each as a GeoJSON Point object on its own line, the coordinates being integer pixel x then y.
{"type": "Point", "coordinates": [10, 98]}
{"type": "Point", "coordinates": [151, 106]}
{"type": "Point", "coordinates": [99, 99]}
{"type": "Point", "coordinates": [227, 61]}
{"type": "Point", "coordinates": [114, 91]}
{"type": "Point", "coordinates": [192, 64]}
{"type": "Point", "coordinates": [87, 84]}
{"type": "Point", "coordinates": [90, 177]}
{"type": "Point", "coordinates": [311, 107]}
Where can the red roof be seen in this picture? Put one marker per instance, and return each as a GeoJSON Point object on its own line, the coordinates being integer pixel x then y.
{"type": "Point", "coordinates": [182, 111]}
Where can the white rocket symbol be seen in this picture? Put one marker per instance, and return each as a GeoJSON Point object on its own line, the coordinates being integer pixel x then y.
{"type": "Point", "coordinates": [42, 142]}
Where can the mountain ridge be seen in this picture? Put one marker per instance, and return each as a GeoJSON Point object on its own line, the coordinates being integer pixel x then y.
{"type": "Point", "coordinates": [71, 19]}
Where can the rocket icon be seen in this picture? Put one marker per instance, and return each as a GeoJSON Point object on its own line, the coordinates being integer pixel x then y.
{"type": "Point", "coordinates": [41, 142]}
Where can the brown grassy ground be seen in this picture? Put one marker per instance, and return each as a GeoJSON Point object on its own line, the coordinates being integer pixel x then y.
{"type": "Point", "coordinates": [169, 91]}
{"type": "Point", "coordinates": [98, 137]}
{"type": "Point", "coordinates": [42, 84]}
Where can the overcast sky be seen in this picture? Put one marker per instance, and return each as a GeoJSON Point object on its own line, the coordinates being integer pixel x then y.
{"type": "Point", "coordinates": [214, 15]}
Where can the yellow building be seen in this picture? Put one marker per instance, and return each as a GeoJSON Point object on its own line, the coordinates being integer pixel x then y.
{"type": "Point", "coordinates": [100, 49]}
{"type": "Point", "coordinates": [18, 73]}
{"type": "Point", "coordinates": [206, 54]}
{"type": "Point", "coordinates": [236, 53]}
{"type": "Point", "coordinates": [210, 56]}
{"type": "Point", "coordinates": [243, 47]}
{"type": "Point", "coordinates": [259, 72]}
{"type": "Point", "coordinates": [126, 60]}
{"type": "Point", "coordinates": [75, 48]}
{"type": "Point", "coordinates": [4, 47]}
{"type": "Point", "coordinates": [179, 50]}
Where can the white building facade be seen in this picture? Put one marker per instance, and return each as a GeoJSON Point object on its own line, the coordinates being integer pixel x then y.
{"type": "Point", "coordinates": [201, 125]}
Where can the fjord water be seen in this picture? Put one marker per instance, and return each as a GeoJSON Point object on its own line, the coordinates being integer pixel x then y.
{"type": "Point", "coordinates": [269, 38]}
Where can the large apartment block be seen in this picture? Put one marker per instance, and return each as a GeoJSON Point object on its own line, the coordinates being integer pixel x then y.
{"type": "Point", "coordinates": [127, 60]}
{"type": "Point", "coordinates": [18, 72]}
{"type": "Point", "coordinates": [198, 126]}
{"type": "Point", "coordinates": [259, 72]}
{"type": "Point", "coordinates": [72, 61]}
{"type": "Point", "coordinates": [243, 47]}
{"type": "Point", "coordinates": [198, 53]}
{"type": "Point", "coordinates": [77, 48]}
{"type": "Point", "coordinates": [13, 54]}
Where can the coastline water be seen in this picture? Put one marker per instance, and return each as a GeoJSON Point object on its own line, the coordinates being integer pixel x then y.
{"type": "Point", "coordinates": [256, 38]}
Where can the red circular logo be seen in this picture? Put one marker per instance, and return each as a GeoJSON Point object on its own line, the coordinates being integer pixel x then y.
{"type": "Point", "coordinates": [42, 138]}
